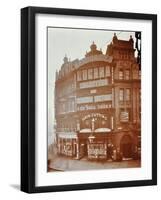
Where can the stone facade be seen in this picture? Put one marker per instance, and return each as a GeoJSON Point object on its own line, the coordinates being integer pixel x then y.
{"type": "Point", "coordinates": [98, 103]}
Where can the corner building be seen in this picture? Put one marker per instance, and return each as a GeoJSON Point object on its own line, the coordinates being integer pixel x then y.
{"type": "Point", "coordinates": [98, 103]}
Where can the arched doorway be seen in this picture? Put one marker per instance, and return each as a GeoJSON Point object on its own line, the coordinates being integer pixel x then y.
{"type": "Point", "coordinates": [126, 146]}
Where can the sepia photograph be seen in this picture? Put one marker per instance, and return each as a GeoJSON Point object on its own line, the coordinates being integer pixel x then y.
{"type": "Point", "coordinates": [89, 99]}
{"type": "Point", "coordinates": [94, 99]}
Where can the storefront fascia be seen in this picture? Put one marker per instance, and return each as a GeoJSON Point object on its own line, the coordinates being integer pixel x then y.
{"type": "Point", "coordinates": [67, 143]}
{"type": "Point", "coordinates": [94, 144]}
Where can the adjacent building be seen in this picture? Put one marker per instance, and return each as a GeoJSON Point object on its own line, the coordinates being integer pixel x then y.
{"type": "Point", "coordinates": [98, 103]}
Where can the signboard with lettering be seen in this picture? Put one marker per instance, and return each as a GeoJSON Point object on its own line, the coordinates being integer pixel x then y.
{"type": "Point", "coordinates": [97, 151]}
{"type": "Point", "coordinates": [94, 83]}
{"type": "Point", "coordinates": [124, 116]}
{"type": "Point", "coordinates": [94, 115]}
{"type": "Point", "coordinates": [96, 98]}
{"type": "Point", "coordinates": [93, 106]}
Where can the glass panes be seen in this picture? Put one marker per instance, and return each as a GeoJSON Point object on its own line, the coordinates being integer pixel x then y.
{"type": "Point", "coordinates": [107, 71]}
{"type": "Point", "coordinates": [79, 77]}
{"type": "Point", "coordinates": [128, 94]}
{"type": "Point", "coordinates": [93, 83]}
{"type": "Point", "coordinates": [95, 72]}
{"type": "Point", "coordinates": [84, 74]}
{"type": "Point", "coordinates": [90, 73]}
{"type": "Point", "coordinates": [101, 72]}
{"type": "Point", "coordinates": [84, 100]}
{"type": "Point", "coordinates": [106, 97]}
{"type": "Point", "coordinates": [127, 74]}
{"type": "Point", "coordinates": [121, 75]}
{"type": "Point", "coordinates": [121, 94]}
{"type": "Point", "coordinates": [124, 116]}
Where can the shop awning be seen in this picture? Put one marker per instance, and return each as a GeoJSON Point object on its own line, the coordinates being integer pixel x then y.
{"type": "Point", "coordinates": [102, 130]}
{"type": "Point", "coordinates": [86, 130]}
{"type": "Point", "coordinates": [67, 135]}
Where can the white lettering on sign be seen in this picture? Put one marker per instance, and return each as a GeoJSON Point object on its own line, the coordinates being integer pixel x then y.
{"type": "Point", "coordinates": [124, 116]}
{"type": "Point", "coordinates": [95, 83]}
{"type": "Point", "coordinates": [87, 107]}
{"type": "Point", "coordinates": [94, 115]}
{"type": "Point", "coordinates": [106, 97]}
{"type": "Point", "coordinates": [93, 107]}
{"type": "Point", "coordinates": [85, 100]}
{"type": "Point", "coordinates": [97, 149]}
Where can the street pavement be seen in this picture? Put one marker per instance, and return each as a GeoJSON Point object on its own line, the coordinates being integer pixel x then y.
{"type": "Point", "coordinates": [62, 163]}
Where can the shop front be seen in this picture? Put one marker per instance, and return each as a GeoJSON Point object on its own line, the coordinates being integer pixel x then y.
{"type": "Point", "coordinates": [126, 146]}
{"type": "Point", "coordinates": [130, 146]}
{"type": "Point", "coordinates": [67, 144]}
{"type": "Point", "coordinates": [94, 145]}
{"type": "Point", "coordinates": [97, 151]}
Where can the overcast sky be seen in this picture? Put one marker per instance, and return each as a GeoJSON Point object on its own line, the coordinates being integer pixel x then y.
{"type": "Point", "coordinates": [74, 43]}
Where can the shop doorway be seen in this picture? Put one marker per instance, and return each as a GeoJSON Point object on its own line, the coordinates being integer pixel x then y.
{"type": "Point", "coordinates": [83, 149]}
{"type": "Point", "coordinates": [126, 146]}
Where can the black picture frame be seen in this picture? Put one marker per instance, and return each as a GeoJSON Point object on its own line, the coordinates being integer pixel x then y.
{"type": "Point", "coordinates": [28, 92]}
